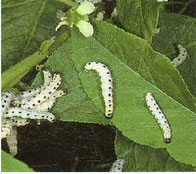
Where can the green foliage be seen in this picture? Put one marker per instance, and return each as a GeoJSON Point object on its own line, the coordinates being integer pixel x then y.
{"type": "Point", "coordinates": [26, 24]}
{"type": "Point", "coordinates": [139, 17]}
{"type": "Point", "coordinates": [144, 158]}
{"type": "Point", "coordinates": [131, 116]}
{"type": "Point", "coordinates": [183, 32]}
{"type": "Point", "coordinates": [9, 164]}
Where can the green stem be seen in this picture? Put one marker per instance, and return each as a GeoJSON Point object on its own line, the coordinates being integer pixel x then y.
{"type": "Point", "coordinates": [14, 74]}
{"type": "Point", "coordinates": [186, 6]}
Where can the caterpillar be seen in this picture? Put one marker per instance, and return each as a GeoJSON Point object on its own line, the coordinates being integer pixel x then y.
{"type": "Point", "coordinates": [47, 105]}
{"type": "Point", "coordinates": [117, 165]}
{"type": "Point", "coordinates": [13, 112]}
{"type": "Point", "coordinates": [181, 57]}
{"type": "Point", "coordinates": [6, 99]}
{"type": "Point", "coordinates": [106, 85]}
{"type": "Point", "coordinates": [8, 123]}
{"type": "Point", "coordinates": [44, 94]}
{"type": "Point", "coordinates": [159, 116]}
{"type": "Point", "coordinates": [12, 142]}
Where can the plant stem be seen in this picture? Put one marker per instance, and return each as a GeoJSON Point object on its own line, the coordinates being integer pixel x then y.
{"type": "Point", "coordinates": [186, 6]}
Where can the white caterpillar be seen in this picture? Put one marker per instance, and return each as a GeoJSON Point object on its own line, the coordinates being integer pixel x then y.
{"type": "Point", "coordinates": [106, 85]}
{"type": "Point", "coordinates": [159, 116]}
{"type": "Point", "coordinates": [44, 94]}
{"type": "Point", "coordinates": [117, 165]}
{"type": "Point", "coordinates": [12, 142]}
{"type": "Point", "coordinates": [47, 105]}
{"type": "Point", "coordinates": [18, 112]}
{"type": "Point", "coordinates": [181, 57]}
{"type": "Point", "coordinates": [6, 100]}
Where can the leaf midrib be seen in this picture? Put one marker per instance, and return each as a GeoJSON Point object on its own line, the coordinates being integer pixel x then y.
{"type": "Point", "coordinates": [31, 34]}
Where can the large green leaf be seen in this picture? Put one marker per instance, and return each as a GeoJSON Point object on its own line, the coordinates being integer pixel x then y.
{"type": "Point", "coordinates": [151, 65]}
{"type": "Point", "coordinates": [178, 29]}
{"type": "Point", "coordinates": [10, 164]}
{"type": "Point", "coordinates": [139, 17]}
{"type": "Point", "coordinates": [25, 24]}
{"type": "Point", "coordinates": [143, 158]}
{"type": "Point", "coordinates": [84, 101]}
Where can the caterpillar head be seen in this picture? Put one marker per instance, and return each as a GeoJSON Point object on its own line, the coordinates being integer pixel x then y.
{"type": "Point", "coordinates": [167, 140]}
{"type": "Point", "coordinates": [88, 66]}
